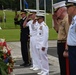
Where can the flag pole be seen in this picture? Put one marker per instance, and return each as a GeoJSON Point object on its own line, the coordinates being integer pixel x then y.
{"type": "Point", "coordinates": [52, 6]}
{"type": "Point", "coordinates": [37, 4]}
{"type": "Point", "coordinates": [20, 5]}
{"type": "Point", "coordinates": [52, 14]}
{"type": "Point", "coordinates": [45, 9]}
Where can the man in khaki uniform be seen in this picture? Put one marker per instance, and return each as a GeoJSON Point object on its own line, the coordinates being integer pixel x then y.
{"type": "Point", "coordinates": [61, 25]}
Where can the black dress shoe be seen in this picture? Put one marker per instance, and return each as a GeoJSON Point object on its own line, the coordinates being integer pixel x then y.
{"type": "Point", "coordinates": [23, 64]}
{"type": "Point", "coordinates": [27, 65]}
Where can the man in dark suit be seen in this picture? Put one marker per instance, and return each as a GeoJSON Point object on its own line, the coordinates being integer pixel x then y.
{"type": "Point", "coordinates": [24, 39]}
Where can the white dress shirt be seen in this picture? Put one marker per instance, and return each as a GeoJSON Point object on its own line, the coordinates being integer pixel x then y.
{"type": "Point", "coordinates": [71, 39]}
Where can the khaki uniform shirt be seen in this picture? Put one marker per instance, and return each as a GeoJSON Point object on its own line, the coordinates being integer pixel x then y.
{"type": "Point", "coordinates": [63, 28]}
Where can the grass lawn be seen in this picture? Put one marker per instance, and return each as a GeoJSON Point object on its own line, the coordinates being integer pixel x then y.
{"type": "Point", "coordinates": [9, 19]}
{"type": "Point", "coordinates": [12, 33]}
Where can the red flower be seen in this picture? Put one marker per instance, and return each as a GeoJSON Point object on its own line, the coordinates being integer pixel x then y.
{"type": "Point", "coordinates": [9, 52]}
{"type": "Point", "coordinates": [9, 70]}
{"type": "Point", "coordinates": [4, 55]}
{"type": "Point", "coordinates": [4, 44]}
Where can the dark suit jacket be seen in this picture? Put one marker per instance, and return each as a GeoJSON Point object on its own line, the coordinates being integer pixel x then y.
{"type": "Point", "coordinates": [24, 34]}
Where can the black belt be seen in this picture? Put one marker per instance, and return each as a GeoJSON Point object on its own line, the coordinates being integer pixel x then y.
{"type": "Point", "coordinates": [61, 41]}
{"type": "Point", "coordinates": [71, 46]}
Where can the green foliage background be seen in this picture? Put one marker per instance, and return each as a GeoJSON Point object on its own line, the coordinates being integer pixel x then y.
{"type": "Point", "coordinates": [12, 33]}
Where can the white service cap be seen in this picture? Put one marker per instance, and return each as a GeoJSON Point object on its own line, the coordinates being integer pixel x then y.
{"type": "Point", "coordinates": [40, 14]}
{"type": "Point", "coordinates": [73, 1]}
{"type": "Point", "coordinates": [59, 4]}
{"type": "Point", "coordinates": [32, 11]}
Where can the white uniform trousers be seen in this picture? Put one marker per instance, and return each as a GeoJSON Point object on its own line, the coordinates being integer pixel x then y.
{"type": "Point", "coordinates": [44, 62]}
{"type": "Point", "coordinates": [34, 52]}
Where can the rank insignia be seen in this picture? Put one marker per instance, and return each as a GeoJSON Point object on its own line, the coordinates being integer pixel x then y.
{"type": "Point", "coordinates": [40, 28]}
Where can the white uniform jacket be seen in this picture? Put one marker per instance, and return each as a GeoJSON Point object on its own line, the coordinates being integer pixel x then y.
{"type": "Point", "coordinates": [32, 27]}
{"type": "Point", "coordinates": [42, 36]}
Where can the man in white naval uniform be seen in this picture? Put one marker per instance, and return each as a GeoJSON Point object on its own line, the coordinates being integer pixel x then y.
{"type": "Point", "coordinates": [33, 25]}
{"type": "Point", "coordinates": [42, 44]}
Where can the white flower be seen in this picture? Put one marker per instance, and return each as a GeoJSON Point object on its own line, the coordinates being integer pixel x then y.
{"type": "Point", "coordinates": [2, 40]}
{"type": "Point", "coordinates": [4, 50]}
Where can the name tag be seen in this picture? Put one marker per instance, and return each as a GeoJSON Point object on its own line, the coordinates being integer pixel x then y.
{"type": "Point", "coordinates": [39, 33]}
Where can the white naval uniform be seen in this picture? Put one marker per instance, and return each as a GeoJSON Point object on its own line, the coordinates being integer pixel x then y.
{"type": "Point", "coordinates": [71, 39]}
{"type": "Point", "coordinates": [42, 41]}
{"type": "Point", "coordinates": [33, 36]}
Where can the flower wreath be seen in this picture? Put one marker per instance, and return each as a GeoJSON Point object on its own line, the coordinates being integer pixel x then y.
{"type": "Point", "coordinates": [6, 60]}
